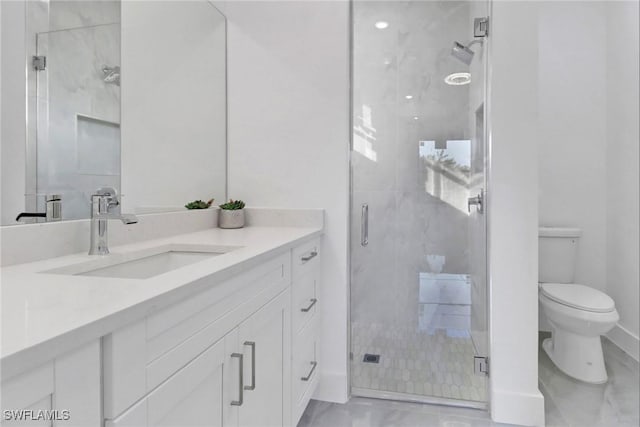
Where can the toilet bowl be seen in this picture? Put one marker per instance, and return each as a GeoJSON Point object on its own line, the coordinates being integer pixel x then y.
{"type": "Point", "coordinates": [578, 315]}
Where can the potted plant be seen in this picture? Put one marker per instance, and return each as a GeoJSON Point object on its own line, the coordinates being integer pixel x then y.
{"type": "Point", "coordinates": [231, 214]}
{"type": "Point", "coordinates": [199, 204]}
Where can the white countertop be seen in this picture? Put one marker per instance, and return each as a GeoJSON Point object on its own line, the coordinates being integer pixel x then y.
{"type": "Point", "coordinates": [46, 314]}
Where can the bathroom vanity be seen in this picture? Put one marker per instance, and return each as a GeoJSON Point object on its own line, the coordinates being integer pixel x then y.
{"type": "Point", "coordinates": [230, 339]}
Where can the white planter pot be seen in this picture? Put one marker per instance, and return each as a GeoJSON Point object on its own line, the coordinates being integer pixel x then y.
{"type": "Point", "coordinates": [231, 219]}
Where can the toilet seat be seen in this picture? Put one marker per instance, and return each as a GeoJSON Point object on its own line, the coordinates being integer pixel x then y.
{"type": "Point", "coordinates": [578, 296]}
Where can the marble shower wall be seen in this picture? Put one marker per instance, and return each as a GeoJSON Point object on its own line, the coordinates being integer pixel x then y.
{"type": "Point", "coordinates": [75, 140]}
{"type": "Point", "coordinates": [403, 116]}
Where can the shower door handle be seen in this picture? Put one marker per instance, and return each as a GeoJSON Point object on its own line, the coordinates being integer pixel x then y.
{"type": "Point", "coordinates": [478, 201]}
{"type": "Point", "coordinates": [364, 225]}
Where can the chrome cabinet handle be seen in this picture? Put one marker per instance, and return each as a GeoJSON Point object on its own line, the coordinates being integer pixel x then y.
{"type": "Point", "coordinates": [240, 400]}
{"type": "Point", "coordinates": [313, 302]}
{"type": "Point", "coordinates": [312, 255]}
{"type": "Point", "coordinates": [364, 225]}
{"type": "Point", "coordinates": [253, 365]}
{"type": "Point", "coordinates": [313, 368]}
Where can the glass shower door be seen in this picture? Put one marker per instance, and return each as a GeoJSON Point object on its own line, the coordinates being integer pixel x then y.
{"type": "Point", "coordinates": [418, 225]}
{"type": "Point", "coordinates": [78, 115]}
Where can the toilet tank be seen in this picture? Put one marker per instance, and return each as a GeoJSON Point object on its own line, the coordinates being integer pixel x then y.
{"type": "Point", "coordinates": [557, 251]}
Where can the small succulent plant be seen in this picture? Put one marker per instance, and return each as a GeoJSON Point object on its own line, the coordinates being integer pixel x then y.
{"type": "Point", "coordinates": [199, 204]}
{"type": "Point", "coordinates": [232, 205]}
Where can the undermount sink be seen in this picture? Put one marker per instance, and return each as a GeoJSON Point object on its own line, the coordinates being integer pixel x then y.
{"type": "Point", "coordinates": [146, 263]}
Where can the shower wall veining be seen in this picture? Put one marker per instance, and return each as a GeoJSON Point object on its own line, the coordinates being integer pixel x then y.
{"type": "Point", "coordinates": [417, 213]}
{"type": "Point", "coordinates": [74, 133]}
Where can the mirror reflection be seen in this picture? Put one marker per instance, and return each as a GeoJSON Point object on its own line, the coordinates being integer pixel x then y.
{"type": "Point", "coordinates": [75, 71]}
{"type": "Point", "coordinates": [126, 95]}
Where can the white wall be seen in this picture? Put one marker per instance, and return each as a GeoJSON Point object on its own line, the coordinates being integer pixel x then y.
{"type": "Point", "coordinates": [572, 140]}
{"type": "Point", "coordinates": [513, 210]}
{"type": "Point", "coordinates": [289, 136]}
{"type": "Point", "coordinates": [173, 104]}
{"type": "Point", "coordinates": [13, 110]}
{"type": "Point", "coordinates": [622, 159]}
{"type": "Point", "coordinates": [588, 102]}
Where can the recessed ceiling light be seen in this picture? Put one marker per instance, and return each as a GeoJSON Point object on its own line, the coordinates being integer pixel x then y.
{"type": "Point", "coordinates": [415, 117]}
{"type": "Point", "coordinates": [409, 96]}
{"type": "Point", "coordinates": [458, 79]}
{"type": "Point", "coordinates": [381, 25]}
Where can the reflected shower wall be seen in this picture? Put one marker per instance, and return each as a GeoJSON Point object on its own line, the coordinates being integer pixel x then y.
{"type": "Point", "coordinates": [412, 164]}
{"type": "Point", "coordinates": [76, 101]}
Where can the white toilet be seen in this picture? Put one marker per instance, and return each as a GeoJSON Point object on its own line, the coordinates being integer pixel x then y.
{"type": "Point", "coordinates": [578, 314]}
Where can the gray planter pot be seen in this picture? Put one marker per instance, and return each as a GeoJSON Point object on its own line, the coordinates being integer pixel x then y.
{"type": "Point", "coordinates": [231, 219]}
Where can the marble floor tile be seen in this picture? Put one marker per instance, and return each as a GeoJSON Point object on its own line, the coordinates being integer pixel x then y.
{"type": "Point", "coordinates": [568, 403]}
{"type": "Point", "coordinates": [615, 403]}
{"type": "Point", "coordinates": [362, 412]}
{"type": "Point", "coordinates": [552, 415]}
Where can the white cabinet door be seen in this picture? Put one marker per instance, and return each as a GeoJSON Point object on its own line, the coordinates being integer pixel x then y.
{"type": "Point", "coordinates": [78, 386]}
{"type": "Point", "coordinates": [28, 416]}
{"type": "Point", "coordinates": [193, 397]}
{"type": "Point", "coordinates": [22, 394]}
{"type": "Point", "coordinates": [64, 392]}
{"type": "Point", "coordinates": [264, 341]}
{"type": "Point", "coordinates": [136, 416]}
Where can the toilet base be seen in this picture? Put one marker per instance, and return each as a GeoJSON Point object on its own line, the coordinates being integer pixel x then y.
{"type": "Point", "coordinates": [578, 356]}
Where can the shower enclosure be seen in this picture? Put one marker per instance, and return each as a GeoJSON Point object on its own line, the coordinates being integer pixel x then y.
{"type": "Point", "coordinates": [418, 217]}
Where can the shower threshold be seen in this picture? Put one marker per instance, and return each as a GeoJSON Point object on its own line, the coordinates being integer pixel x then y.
{"type": "Point", "coordinates": [417, 398]}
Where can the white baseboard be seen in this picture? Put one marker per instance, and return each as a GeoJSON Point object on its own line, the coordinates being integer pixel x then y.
{"type": "Point", "coordinates": [333, 387]}
{"type": "Point", "coordinates": [626, 340]}
{"type": "Point", "coordinates": [517, 408]}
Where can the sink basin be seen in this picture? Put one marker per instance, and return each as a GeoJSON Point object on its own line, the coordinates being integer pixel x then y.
{"type": "Point", "coordinates": [146, 263]}
{"type": "Point", "coordinates": [150, 266]}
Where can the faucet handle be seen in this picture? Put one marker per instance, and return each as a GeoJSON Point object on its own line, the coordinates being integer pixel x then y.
{"type": "Point", "coordinates": [109, 194]}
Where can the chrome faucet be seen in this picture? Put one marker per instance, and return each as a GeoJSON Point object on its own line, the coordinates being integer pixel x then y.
{"type": "Point", "coordinates": [102, 201]}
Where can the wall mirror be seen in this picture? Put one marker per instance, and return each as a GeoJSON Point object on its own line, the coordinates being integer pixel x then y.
{"type": "Point", "coordinates": [130, 95]}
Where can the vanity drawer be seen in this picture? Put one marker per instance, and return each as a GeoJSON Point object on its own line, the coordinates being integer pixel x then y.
{"type": "Point", "coordinates": [306, 369]}
{"type": "Point", "coordinates": [306, 257]}
{"type": "Point", "coordinates": [175, 324]}
{"type": "Point", "coordinates": [305, 299]}
{"type": "Point", "coordinates": [139, 357]}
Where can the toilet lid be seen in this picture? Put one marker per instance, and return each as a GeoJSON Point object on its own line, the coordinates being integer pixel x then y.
{"type": "Point", "coordinates": [578, 296]}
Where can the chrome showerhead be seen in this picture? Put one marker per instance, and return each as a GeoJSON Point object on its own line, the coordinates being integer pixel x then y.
{"type": "Point", "coordinates": [462, 52]}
